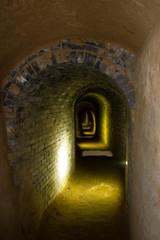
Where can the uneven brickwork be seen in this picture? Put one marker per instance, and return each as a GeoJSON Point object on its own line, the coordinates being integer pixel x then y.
{"type": "Point", "coordinates": [106, 57]}
{"type": "Point", "coordinates": [39, 98]}
{"type": "Point", "coordinates": [43, 126]}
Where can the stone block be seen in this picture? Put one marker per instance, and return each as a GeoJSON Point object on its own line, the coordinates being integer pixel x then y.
{"type": "Point", "coordinates": [35, 66]}
{"type": "Point", "coordinates": [121, 64]}
{"type": "Point", "coordinates": [131, 94]}
{"type": "Point", "coordinates": [128, 88]}
{"type": "Point", "coordinates": [30, 70]}
{"type": "Point", "coordinates": [64, 43]}
{"type": "Point", "coordinates": [13, 74]}
{"type": "Point", "coordinates": [88, 48]}
{"type": "Point", "coordinates": [130, 74]}
{"type": "Point", "coordinates": [75, 46]}
{"type": "Point", "coordinates": [103, 67]}
{"type": "Point", "coordinates": [22, 64]}
{"type": "Point", "coordinates": [31, 57]}
{"type": "Point", "coordinates": [98, 63]}
{"type": "Point", "coordinates": [113, 49]}
{"type": "Point", "coordinates": [95, 43]}
{"type": "Point", "coordinates": [43, 51]}
{"type": "Point", "coordinates": [89, 59]}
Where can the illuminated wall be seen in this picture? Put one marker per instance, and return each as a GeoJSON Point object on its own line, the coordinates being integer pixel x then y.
{"type": "Point", "coordinates": [42, 147]}
{"type": "Point", "coordinates": [43, 138]}
{"type": "Point", "coordinates": [99, 137]}
{"type": "Point", "coordinates": [39, 98]}
{"type": "Point", "coordinates": [111, 120]}
{"type": "Point", "coordinates": [44, 131]}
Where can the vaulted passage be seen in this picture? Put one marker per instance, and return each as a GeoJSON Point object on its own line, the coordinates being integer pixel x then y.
{"type": "Point", "coordinates": [48, 118]}
{"type": "Point", "coordinates": [56, 117]}
{"type": "Point", "coordinates": [93, 202]}
{"type": "Point", "coordinates": [79, 100]}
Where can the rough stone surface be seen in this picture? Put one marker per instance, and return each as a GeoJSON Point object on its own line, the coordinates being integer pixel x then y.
{"type": "Point", "coordinates": [145, 197]}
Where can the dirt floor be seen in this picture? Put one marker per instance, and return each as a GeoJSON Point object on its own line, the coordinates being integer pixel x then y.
{"type": "Point", "coordinates": [92, 205]}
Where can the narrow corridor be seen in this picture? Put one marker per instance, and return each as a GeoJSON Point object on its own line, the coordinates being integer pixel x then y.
{"type": "Point", "coordinates": [92, 205]}
{"type": "Point", "coordinates": [79, 76]}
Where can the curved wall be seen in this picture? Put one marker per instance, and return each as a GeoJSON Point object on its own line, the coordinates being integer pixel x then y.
{"type": "Point", "coordinates": [145, 197]}
{"type": "Point", "coordinates": [39, 98]}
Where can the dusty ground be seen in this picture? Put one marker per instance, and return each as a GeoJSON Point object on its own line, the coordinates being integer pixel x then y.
{"type": "Point", "coordinates": [92, 205]}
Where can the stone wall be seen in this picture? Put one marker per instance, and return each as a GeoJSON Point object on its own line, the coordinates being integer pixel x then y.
{"type": "Point", "coordinates": [145, 197]}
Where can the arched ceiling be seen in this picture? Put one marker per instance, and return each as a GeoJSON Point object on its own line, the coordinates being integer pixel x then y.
{"type": "Point", "coordinates": [28, 25]}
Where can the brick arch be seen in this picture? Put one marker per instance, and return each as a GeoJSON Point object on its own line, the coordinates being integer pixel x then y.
{"type": "Point", "coordinates": [105, 58]}
{"type": "Point", "coordinates": [109, 59]}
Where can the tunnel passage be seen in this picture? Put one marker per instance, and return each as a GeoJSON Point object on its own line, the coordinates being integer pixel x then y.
{"type": "Point", "coordinates": [44, 126]}
{"type": "Point", "coordinates": [92, 122]}
{"type": "Point", "coordinates": [40, 119]}
{"type": "Point", "coordinates": [45, 133]}
{"type": "Point", "coordinates": [98, 97]}
{"type": "Point", "coordinates": [102, 122]}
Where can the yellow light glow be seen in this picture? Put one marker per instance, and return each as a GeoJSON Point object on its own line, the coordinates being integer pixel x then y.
{"type": "Point", "coordinates": [105, 190]}
{"type": "Point", "coordinates": [63, 162]}
{"type": "Point", "coordinates": [92, 145]}
{"type": "Point", "coordinates": [88, 125]}
{"type": "Point", "coordinates": [92, 190]}
{"type": "Point", "coordinates": [126, 163]}
{"type": "Point", "coordinates": [104, 126]}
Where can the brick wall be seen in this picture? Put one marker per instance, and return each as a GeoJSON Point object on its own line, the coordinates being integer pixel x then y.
{"type": "Point", "coordinates": [43, 128]}
{"type": "Point", "coordinates": [39, 97]}
{"type": "Point", "coordinates": [44, 120]}
{"type": "Point", "coordinates": [120, 125]}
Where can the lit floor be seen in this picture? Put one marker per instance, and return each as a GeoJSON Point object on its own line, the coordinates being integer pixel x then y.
{"type": "Point", "coordinates": [92, 206]}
